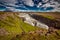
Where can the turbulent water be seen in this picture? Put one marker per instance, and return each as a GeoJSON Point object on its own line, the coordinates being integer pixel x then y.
{"type": "Point", "coordinates": [30, 20]}
{"type": "Point", "coordinates": [30, 5]}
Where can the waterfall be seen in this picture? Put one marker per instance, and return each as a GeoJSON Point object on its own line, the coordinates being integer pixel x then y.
{"type": "Point", "coordinates": [32, 21]}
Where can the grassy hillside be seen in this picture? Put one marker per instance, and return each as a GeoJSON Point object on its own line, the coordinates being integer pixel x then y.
{"type": "Point", "coordinates": [13, 28]}
{"type": "Point", "coordinates": [13, 25]}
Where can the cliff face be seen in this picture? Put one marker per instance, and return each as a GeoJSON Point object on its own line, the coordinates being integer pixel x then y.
{"type": "Point", "coordinates": [48, 21]}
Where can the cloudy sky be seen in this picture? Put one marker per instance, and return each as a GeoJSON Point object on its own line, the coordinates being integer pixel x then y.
{"type": "Point", "coordinates": [30, 5]}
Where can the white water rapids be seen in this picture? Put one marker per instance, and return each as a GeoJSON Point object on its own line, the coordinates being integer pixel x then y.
{"type": "Point", "coordinates": [31, 21]}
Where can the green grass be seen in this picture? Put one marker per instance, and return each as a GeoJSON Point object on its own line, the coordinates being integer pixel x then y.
{"type": "Point", "coordinates": [13, 26]}
{"type": "Point", "coordinates": [49, 17]}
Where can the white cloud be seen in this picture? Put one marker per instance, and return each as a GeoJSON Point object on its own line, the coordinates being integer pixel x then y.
{"type": "Point", "coordinates": [9, 1]}
{"type": "Point", "coordinates": [39, 4]}
{"type": "Point", "coordinates": [45, 0]}
{"type": "Point", "coordinates": [48, 5]}
{"type": "Point", "coordinates": [29, 2]}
